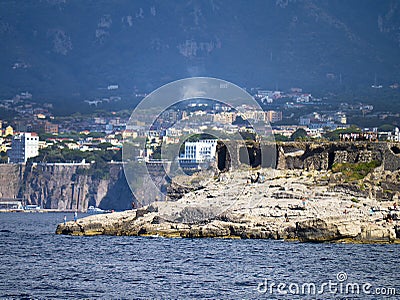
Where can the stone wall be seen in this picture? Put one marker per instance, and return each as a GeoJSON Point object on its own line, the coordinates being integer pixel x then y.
{"type": "Point", "coordinates": [309, 155]}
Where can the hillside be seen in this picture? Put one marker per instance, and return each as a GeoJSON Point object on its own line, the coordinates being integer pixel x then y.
{"type": "Point", "coordinates": [61, 50]}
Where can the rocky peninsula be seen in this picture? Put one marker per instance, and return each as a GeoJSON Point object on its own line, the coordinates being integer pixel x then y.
{"type": "Point", "coordinates": [347, 202]}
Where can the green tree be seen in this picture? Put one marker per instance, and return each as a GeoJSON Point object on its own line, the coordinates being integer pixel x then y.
{"type": "Point", "coordinates": [386, 127]}
{"type": "Point", "coordinates": [104, 146]}
{"type": "Point", "coordinates": [281, 138]}
{"type": "Point", "coordinates": [97, 134]}
{"type": "Point", "coordinates": [3, 157]}
{"type": "Point", "coordinates": [298, 134]}
{"type": "Point", "coordinates": [247, 136]}
{"type": "Point", "coordinates": [335, 134]}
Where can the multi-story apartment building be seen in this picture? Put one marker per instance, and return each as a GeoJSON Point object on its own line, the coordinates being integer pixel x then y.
{"type": "Point", "coordinates": [24, 145]}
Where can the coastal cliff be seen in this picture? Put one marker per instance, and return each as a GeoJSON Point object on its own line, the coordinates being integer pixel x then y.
{"type": "Point", "coordinates": [71, 187]}
{"type": "Point", "coordinates": [65, 186]}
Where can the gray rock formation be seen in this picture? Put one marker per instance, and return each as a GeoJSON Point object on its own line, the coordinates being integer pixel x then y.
{"type": "Point", "coordinates": [328, 229]}
{"type": "Point", "coordinates": [287, 205]}
{"type": "Point", "coordinates": [65, 187]}
{"type": "Point", "coordinates": [11, 179]}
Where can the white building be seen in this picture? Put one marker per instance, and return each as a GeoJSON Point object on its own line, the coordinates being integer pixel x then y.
{"type": "Point", "coordinates": [24, 145]}
{"type": "Point", "coordinates": [199, 152]}
{"type": "Point", "coordinates": [173, 132]}
{"type": "Point", "coordinates": [224, 117]}
{"type": "Point", "coordinates": [393, 136]}
{"type": "Point", "coordinates": [273, 116]}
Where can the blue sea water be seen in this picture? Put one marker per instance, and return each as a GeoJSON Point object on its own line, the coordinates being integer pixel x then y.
{"type": "Point", "coordinates": [35, 263]}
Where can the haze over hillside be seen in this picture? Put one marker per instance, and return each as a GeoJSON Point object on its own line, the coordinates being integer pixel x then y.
{"type": "Point", "coordinates": [61, 50]}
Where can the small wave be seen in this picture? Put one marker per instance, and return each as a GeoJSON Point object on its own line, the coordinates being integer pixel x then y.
{"type": "Point", "coordinates": [325, 258]}
{"type": "Point", "coordinates": [245, 283]}
{"type": "Point", "coordinates": [16, 296]}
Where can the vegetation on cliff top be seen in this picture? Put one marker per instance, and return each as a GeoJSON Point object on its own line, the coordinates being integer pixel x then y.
{"type": "Point", "coordinates": [98, 159]}
{"type": "Point", "coordinates": [335, 134]}
{"type": "Point", "coordinates": [356, 171]}
{"type": "Point", "coordinates": [56, 155]}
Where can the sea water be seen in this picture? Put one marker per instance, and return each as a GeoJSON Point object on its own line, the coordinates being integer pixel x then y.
{"type": "Point", "coordinates": [35, 263]}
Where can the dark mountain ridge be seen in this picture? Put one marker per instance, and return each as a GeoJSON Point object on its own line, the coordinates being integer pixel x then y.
{"type": "Point", "coordinates": [61, 50]}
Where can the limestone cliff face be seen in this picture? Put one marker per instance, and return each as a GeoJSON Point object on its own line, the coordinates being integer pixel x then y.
{"type": "Point", "coordinates": [65, 187]}
{"type": "Point", "coordinates": [11, 177]}
{"type": "Point", "coordinates": [56, 187]}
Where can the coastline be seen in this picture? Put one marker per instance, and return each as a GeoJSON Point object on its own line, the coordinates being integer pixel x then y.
{"type": "Point", "coordinates": [36, 211]}
{"type": "Point", "coordinates": [41, 211]}
{"type": "Point", "coordinates": [290, 205]}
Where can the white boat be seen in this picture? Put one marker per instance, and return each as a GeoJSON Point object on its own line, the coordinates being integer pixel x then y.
{"type": "Point", "coordinates": [32, 207]}
{"type": "Point", "coordinates": [95, 210]}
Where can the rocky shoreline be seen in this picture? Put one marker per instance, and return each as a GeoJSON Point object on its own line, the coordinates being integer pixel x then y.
{"type": "Point", "coordinates": [294, 205]}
